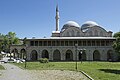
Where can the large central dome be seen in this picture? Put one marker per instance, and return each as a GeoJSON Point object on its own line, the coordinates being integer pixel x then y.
{"type": "Point", "coordinates": [70, 24]}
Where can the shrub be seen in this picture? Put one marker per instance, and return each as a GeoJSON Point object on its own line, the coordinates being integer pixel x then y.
{"type": "Point", "coordinates": [43, 60]}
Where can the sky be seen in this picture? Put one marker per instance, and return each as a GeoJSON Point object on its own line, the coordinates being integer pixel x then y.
{"type": "Point", "coordinates": [36, 18]}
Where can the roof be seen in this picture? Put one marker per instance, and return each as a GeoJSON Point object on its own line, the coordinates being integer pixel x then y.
{"type": "Point", "coordinates": [73, 38]}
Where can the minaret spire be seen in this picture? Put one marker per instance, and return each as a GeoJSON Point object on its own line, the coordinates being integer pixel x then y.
{"type": "Point", "coordinates": [57, 17]}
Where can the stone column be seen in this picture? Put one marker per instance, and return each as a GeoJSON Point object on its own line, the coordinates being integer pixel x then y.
{"type": "Point", "coordinates": [28, 54]}
{"type": "Point", "coordinates": [50, 54]}
{"type": "Point", "coordinates": [91, 55]}
{"type": "Point", "coordinates": [39, 54]}
{"type": "Point", "coordinates": [62, 54]}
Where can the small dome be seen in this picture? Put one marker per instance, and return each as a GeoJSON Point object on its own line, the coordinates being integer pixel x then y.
{"type": "Point", "coordinates": [70, 24]}
{"type": "Point", "coordinates": [89, 24]}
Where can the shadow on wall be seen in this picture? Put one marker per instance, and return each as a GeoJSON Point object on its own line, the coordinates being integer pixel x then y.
{"type": "Point", "coordinates": [111, 71]}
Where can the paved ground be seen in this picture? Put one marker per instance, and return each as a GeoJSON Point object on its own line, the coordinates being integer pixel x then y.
{"type": "Point", "coordinates": [15, 73]}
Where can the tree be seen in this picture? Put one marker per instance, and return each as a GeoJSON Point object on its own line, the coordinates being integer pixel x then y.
{"type": "Point", "coordinates": [117, 34]}
{"type": "Point", "coordinates": [8, 40]}
{"type": "Point", "coordinates": [116, 44]}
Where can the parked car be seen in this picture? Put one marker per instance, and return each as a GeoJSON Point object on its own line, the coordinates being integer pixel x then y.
{"type": "Point", "coordinates": [12, 60]}
{"type": "Point", "coordinates": [20, 60]}
{"type": "Point", "coordinates": [3, 61]}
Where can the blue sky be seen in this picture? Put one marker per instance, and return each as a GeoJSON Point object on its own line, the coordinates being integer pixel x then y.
{"type": "Point", "coordinates": [36, 18]}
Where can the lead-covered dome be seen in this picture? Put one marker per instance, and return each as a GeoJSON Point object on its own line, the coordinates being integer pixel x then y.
{"type": "Point", "coordinates": [89, 24]}
{"type": "Point", "coordinates": [70, 24]}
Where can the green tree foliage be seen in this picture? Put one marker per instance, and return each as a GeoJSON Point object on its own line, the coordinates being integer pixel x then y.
{"type": "Point", "coordinates": [116, 35]}
{"type": "Point", "coordinates": [116, 44]}
{"type": "Point", "coordinates": [8, 40]}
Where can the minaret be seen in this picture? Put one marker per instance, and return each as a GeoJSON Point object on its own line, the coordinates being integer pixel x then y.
{"type": "Point", "coordinates": [57, 17]}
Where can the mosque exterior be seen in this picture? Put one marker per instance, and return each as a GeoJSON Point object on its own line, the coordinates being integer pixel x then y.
{"type": "Point", "coordinates": [90, 42]}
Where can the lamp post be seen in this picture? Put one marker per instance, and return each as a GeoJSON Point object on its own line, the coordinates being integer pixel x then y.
{"type": "Point", "coordinates": [76, 46]}
{"type": "Point", "coordinates": [25, 57]}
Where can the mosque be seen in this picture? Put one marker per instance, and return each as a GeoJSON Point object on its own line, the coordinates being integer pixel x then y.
{"type": "Point", "coordinates": [89, 42]}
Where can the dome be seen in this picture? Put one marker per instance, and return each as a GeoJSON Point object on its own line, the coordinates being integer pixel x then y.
{"type": "Point", "coordinates": [70, 24]}
{"type": "Point", "coordinates": [89, 24]}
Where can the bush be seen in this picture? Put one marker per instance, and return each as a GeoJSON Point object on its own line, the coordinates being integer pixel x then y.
{"type": "Point", "coordinates": [43, 60]}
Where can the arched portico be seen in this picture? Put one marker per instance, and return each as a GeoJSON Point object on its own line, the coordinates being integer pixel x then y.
{"type": "Point", "coordinates": [45, 54]}
{"type": "Point", "coordinates": [56, 55]}
{"type": "Point", "coordinates": [22, 53]}
{"type": "Point", "coordinates": [96, 55]}
{"type": "Point", "coordinates": [34, 55]}
{"type": "Point", "coordinates": [69, 55]}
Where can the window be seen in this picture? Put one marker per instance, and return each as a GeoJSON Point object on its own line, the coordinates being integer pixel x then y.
{"type": "Point", "coordinates": [93, 43]}
{"type": "Point", "coordinates": [102, 43]}
{"type": "Point", "coordinates": [57, 43]}
{"type": "Point", "coordinates": [66, 43]}
{"type": "Point", "coordinates": [98, 43]}
{"type": "Point", "coordinates": [70, 43]}
{"type": "Point", "coordinates": [84, 43]}
{"type": "Point", "coordinates": [45, 43]}
{"type": "Point", "coordinates": [40, 43]}
{"type": "Point", "coordinates": [49, 43]}
{"type": "Point", "coordinates": [53, 43]}
{"type": "Point", "coordinates": [79, 43]}
{"type": "Point", "coordinates": [89, 43]}
{"type": "Point", "coordinates": [36, 43]}
{"type": "Point", "coordinates": [62, 43]}
{"type": "Point", "coordinates": [31, 43]}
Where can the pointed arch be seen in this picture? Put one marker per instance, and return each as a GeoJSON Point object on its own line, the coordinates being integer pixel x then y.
{"type": "Point", "coordinates": [96, 55]}
{"type": "Point", "coordinates": [22, 53]}
{"type": "Point", "coordinates": [34, 55]}
{"type": "Point", "coordinates": [56, 55]}
{"type": "Point", "coordinates": [45, 54]}
{"type": "Point", "coordinates": [69, 55]}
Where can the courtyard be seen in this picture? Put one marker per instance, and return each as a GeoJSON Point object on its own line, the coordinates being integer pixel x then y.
{"type": "Point", "coordinates": [97, 70]}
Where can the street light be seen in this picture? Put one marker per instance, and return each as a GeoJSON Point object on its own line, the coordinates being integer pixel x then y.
{"type": "Point", "coordinates": [76, 46]}
{"type": "Point", "coordinates": [25, 56]}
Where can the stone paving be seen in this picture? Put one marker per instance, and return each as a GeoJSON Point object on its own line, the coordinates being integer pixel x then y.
{"type": "Point", "coordinates": [15, 73]}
